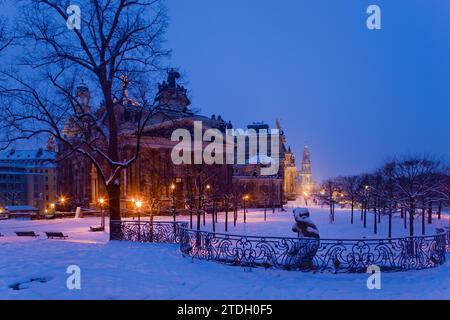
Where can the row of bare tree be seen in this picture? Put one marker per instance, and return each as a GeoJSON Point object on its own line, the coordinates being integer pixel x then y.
{"type": "Point", "coordinates": [411, 187]}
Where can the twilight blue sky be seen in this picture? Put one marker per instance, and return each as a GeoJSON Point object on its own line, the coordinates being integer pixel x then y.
{"type": "Point", "coordinates": [355, 96]}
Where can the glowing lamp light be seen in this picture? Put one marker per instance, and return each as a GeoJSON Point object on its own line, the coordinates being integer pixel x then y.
{"type": "Point", "coordinates": [52, 205]}
{"type": "Point", "coordinates": [172, 186]}
{"type": "Point", "coordinates": [138, 204]}
{"type": "Point", "coordinates": [208, 186]}
{"type": "Point", "coordinates": [246, 197]}
{"type": "Point", "coordinates": [322, 192]}
{"type": "Point", "coordinates": [101, 201]}
{"type": "Point", "coordinates": [305, 194]}
{"type": "Point", "coordinates": [62, 199]}
{"type": "Point", "coordinates": [366, 187]}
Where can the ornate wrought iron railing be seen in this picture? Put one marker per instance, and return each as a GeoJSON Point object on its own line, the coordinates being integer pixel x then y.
{"type": "Point", "coordinates": [146, 231]}
{"type": "Point", "coordinates": [333, 255]}
{"type": "Point", "coordinates": [448, 238]}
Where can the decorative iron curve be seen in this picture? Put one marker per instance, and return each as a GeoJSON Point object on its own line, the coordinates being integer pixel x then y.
{"type": "Point", "coordinates": [305, 254]}
{"type": "Point", "coordinates": [146, 231]}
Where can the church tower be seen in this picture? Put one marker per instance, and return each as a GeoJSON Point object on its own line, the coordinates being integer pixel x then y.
{"type": "Point", "coordinates": [306, 183]}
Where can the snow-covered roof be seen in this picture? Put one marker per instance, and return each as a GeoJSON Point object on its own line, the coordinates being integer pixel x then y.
{"type": "Point", "coordinates": [28, 155]}
{"type": "Point", "coordinates": [20, 208]}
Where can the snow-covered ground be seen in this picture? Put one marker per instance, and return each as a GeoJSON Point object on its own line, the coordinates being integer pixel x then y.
{"type": "Point", "coordinates": [121, 270]}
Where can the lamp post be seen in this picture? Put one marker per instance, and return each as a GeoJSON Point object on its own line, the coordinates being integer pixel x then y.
{"type": "Point", "coordinates": [62, 201]}
{"type": "Point", "coordinates": [207, 188]}
{"type": "Point", "coordinates": [101, 201]}
{"type": "Point", "coordinates": [174, 209]}
{"type": "Point", "coordinates": [366, 203]}
{"type": "Point", "coordinates": [138, 205]}
{"type": "Point", "coordinates": [245, 198]}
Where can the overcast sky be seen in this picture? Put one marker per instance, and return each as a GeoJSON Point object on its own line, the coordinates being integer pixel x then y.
{"type": "Point", "coordinates": [355, 96]}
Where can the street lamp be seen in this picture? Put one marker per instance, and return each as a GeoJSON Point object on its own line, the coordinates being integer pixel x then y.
{"type": "Point", "coordinates": [101, 201]}
{"type": "Point", "coordinates": [174, 210]}
{"type": "Point", "coordinates": [245, 198]}
{"type": "Point", "coordinates": [138, 205]}
{"type": "Point", "coordinates": [305, 197]}
{"type": "Point", "coordinates": [62, 201]}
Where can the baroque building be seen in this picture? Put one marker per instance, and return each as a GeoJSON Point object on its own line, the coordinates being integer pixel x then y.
{"type": "Point", "coordinates": [154, 176]}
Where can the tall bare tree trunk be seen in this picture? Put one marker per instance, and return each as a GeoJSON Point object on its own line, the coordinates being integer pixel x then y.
{"type": "Point", "coordinates": [411, 218]}
{"type": "Point", "coordinates": [114, 210]}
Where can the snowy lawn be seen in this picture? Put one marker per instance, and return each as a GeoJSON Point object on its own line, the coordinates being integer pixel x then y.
{"type": "Point", "coordinates": [279, 224]}
{"type": "Point", "coordinates": [120, 270]}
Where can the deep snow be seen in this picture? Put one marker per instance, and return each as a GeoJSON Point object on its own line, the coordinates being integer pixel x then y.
{"type": "Point", "coordinates": [121, 270]}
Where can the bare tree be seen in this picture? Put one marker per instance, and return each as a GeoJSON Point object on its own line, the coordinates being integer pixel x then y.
{"type": "Point", "coordinates": [350, 187]}
{"type": "Point", "coordinates": [414, 179]}
{"type": "Point", "coordinates": [6, 38]}
{"type": "Point", "coordinates": [117, 38]}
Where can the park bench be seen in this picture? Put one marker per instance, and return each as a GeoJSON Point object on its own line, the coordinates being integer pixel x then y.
{"type": "Point", "coordinates": [26, 234]}
{"type": "Point", "coordinates": [96, 228]}
{"type": "Point", "coordinates": [56, 235]}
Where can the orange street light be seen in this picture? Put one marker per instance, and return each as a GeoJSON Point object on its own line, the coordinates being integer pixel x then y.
{"type": "Point", "coordinates": [138, 204]}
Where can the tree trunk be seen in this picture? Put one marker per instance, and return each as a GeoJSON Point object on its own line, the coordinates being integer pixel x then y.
{"type": "Point", "coordinates": [411, 218]}
{"type": "Point", "coordinates": [114, 210]}
{"type": "Point", "coordinates": [404, 218]}
{"type": "Point", "coordinates": [390, 223]}
{"type": "Point", "coordinates": [375, 224]}
{"type": "Point", "coordinates": [351, 217]}
{"type": "Point", "coordinates": [423, 219]}
{"type": "Point", "coordinates": [226, 219]}
{"type": "Point", "coordinates": [439, 210]}
{"type": "Point", "coordinates": [430, 212]}
{"type": "Point", "coordinates": [213, 222]}
{"type": "Point", "coordinates": [365, 213]}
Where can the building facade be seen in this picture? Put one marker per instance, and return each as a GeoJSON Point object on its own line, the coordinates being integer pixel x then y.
{"type": "Point", "coordinates": [154, 176]}
{"type": "Point", "coordinates": [28, 177]}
